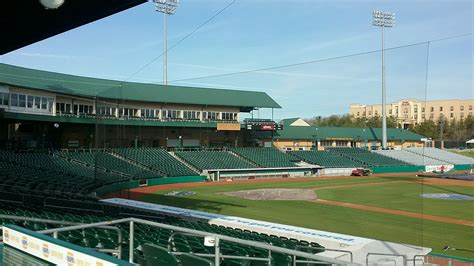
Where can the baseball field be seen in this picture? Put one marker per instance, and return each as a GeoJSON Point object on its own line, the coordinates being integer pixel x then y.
{"type": "Point", "coordinates": [380, 207]}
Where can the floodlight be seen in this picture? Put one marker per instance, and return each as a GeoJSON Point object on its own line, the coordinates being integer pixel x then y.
{"type": "Point", "coordinates": [167, 7]}
{"type": "Point", "coordinates": [384, 20]}
{"type": "Point", "coordinates": [52, 4]}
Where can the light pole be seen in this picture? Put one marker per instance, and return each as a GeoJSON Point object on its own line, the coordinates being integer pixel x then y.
{"type": "Point", "coordinates": [383, 19]}
{"type": "Point", "coordinates": [167, 7]}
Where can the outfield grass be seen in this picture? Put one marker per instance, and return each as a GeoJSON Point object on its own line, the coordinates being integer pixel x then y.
{"type": "Point", "coordinates": [344, 220]}
{"type": "Point", "coordinates": [406, 197]}
{"type": "Point", "coordinates": [465, 153]}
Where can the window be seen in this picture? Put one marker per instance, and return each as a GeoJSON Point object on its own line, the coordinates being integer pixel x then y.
{"type": "Point", "coordinates": [376, 112]}
{"type": "Point", "coordinates": [462, 115]}
{"type": "Point", "coordinates": [4, 98]}
{"type": "Point", "coordinates": [461, 107]}
{"type": "Point", "coordinates": [172, 114]}
{"type": "Point", "coordinates": [326, 143]}
{"type": "Point", "coordinates": [229, 116]}
{"type": "Point", "coordinates": [390, 111]}
{"type": "Point", "coordinates": [44, 103]}
{"type": "Point", "coordinates": [192, 115]}
{"type": "Point", "coordinates": [29, 103]}
{"type": "Point", "coordinates": [451, 108]}
{"type": "Point", "coordinates": [22, 100]}
{"type": "Point", "coordinates": [358, 114]}
{"type": "Point", "coordinates": [37, 103]}
{"type": "Point", "coordinates": [432, 109]}
{"type": "Point", "coordinates": [441, 108]}
{"type": "Point", "coordinates": [470, 107]}
{"type": "Point", "coordinates": [451, 115]}
{"type": "Point", "coordinates": [50, 104]}
{"type": "Point", "coordinates": [423, 109]}
{"type": "Point", "coordinates": [210, 115]}
{"type": "Point", "coordinates": [416, 108]}
{"type": "Point", "coordinates": [14, 99]}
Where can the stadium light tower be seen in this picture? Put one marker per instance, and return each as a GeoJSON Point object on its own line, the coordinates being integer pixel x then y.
{"type": "Point", "coordinates": [383, 19]}
{"type": "Point", "coordinates": [167, 7]}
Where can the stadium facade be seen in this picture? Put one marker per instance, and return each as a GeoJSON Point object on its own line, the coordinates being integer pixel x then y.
{"type": "Point", "coordinates": [41, 109]}
{"type": "Point", "coordinates": [52, 110]}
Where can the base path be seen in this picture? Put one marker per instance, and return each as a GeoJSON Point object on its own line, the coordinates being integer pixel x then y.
{"type": "Point", "coordinates": [397, 212]}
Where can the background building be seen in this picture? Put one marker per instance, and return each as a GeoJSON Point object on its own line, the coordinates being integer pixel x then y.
{"type": "Point", "coordinates": [412, 111]}
{"type": "Point", "coordinates": [298, 135]}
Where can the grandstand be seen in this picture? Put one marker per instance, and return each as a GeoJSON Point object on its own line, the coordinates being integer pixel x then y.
{"type": "Point", "coordinates": [158, 159]}
{"type": "Point", "coordinates": [204, 160]}
{"type": "Point", "coordinates": [265, 157]}
{"type": "Point", "coordinates": [410, 157]}
{"type": "Point", "coordinates": [366, 157]}
{"type": "Point", "coordinates": [442, 155]}
{"type": "Point", "coordinates": [111, 162]}
{"type": "Point", "coordinates": [149, 241]}
{"type": "Point", "coordinates": [44, 174]}
{"type": "Point", "coordinates": [326, 159]}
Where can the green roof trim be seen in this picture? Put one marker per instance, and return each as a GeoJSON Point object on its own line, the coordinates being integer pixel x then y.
{"type": "Point", "coordinates": [132, 91]}
{"type": "Point", "coordinates": [356, 134]}
{"type": "Point", "coordinates": [103, 121]}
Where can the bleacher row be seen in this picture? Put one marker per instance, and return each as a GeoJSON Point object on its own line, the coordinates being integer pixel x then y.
{"type": "Point", "coordinates": [151, 242]}
{"type": "Point", "coordinates": [426, 156]}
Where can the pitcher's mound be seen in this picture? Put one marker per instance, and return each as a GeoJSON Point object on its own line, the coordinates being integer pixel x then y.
{"type": "Point", "coordinates": [274, 194]}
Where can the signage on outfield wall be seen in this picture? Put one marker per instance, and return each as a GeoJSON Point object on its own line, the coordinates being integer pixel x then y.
{"type": "Point", "coordinates": [53, 250]}
{"type": "Point", "coordinates": [439, 168]}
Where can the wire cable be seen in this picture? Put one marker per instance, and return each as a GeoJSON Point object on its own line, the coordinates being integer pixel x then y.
{"type": "Point", "coordinates": [180, 41]}
{"type": "Point", "coordinates": [321, 60]}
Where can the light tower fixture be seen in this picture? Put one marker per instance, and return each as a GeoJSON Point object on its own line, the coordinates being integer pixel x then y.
{"type": "Point", "coordinates": [384, 20]}
{"type": "Point", "coordinates": [167, 7]}
{"type": "Point", "coordinates": [52, 4]}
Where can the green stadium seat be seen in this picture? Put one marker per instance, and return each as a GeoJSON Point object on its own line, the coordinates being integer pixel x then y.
{"type": "Point", "coordinates": [193, 260]}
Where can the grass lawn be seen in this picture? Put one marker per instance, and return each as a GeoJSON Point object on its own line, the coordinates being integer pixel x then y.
{"type": "Point", "coordinates": [337, 219]}
{"type": "Point", "coordinates": [469, 153]}
{"type": "Point", "coordinates": [406, 197]}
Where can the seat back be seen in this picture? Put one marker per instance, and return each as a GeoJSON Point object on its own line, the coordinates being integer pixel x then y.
{"type": "Point", "coordinates": [154, 253]}
{"type": "Point", "coordinates": [193, 260]}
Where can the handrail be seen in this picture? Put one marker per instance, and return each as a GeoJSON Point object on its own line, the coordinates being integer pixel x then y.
{"type": "Point", "coordinates": [404, 258]}
{"type": "Point", "coordinates": [217, 237]}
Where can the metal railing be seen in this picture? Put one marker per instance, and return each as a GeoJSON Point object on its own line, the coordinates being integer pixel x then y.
{"type": "Point", "coordinates": [404, 258]}
{"type": "Point", "coordinates": [55, 234]}
{"type": "Point", "coordinates": [313, 258]}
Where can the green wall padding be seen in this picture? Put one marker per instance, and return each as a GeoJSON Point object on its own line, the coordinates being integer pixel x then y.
{"type": "Point", "coordinates": [151, 182]}
{"type": "Point", "coordinates": [396, 169]}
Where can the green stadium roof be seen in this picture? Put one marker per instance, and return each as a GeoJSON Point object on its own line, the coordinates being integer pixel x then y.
{"type": "Point", "coordinates": [361, 134]}
{"type": "Point", "coordinates": [113, 89]}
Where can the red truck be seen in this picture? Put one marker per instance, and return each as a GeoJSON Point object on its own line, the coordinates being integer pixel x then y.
{"type": "Point", "coordinates": [360, 172]}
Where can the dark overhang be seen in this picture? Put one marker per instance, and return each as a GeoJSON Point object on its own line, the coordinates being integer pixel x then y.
{"type": "Point", "coordinates": [23, 22]}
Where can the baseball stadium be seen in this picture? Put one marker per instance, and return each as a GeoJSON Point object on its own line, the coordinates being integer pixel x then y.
{"type": "Point", "coordinates": [100, 171]}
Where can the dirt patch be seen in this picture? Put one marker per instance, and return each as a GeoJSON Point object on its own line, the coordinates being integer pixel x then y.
{"type": "Point", "coordinates": [273, 194]}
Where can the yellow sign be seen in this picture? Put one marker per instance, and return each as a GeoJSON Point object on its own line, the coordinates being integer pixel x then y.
{"type": "Point", "coordinates": [228, 126]}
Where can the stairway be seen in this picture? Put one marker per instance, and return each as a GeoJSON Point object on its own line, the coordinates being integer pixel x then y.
{"type": "Point", "coordinates": [194, 169]}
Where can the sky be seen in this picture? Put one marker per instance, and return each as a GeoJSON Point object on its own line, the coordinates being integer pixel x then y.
{"type": "Point", "coordinates": [336, 35]}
